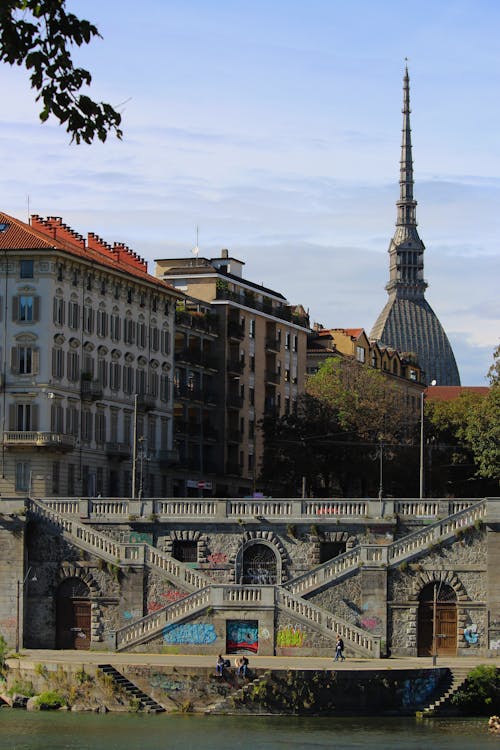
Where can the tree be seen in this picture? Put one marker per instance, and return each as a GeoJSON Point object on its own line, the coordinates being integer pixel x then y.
{"type": "Point", "coordinates": [38, 35]}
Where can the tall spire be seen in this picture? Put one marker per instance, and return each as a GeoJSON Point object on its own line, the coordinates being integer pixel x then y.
{"type": "Point", "coordinates": [406, 250]}
{"type": "Point", "coordinates": [407, 322]}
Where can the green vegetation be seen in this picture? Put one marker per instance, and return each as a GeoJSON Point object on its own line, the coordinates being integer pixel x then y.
{"type": "Point", "coordinates": [38, 35]}
{"type": "Point", "coordinates": [21, 687]}
{"type": "Point", "coordinates": [50, 699]}
{"type": "Point", "coordinates": [480, 695]}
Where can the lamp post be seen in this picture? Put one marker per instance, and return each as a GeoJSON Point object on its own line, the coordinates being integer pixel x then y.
{"type": "Point", "coordinates": [20, 589]}
{"type": "Point", "coordinates": [422, 467]}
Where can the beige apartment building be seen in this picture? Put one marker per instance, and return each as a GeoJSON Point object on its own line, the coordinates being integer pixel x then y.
{"type": "Point", "coordinates": [261, 350]}
{"type": "Point", "coordinates": [87, 363]}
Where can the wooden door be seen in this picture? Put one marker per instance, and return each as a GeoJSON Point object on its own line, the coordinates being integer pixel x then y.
{"type": "Point", "coordinates": [81, 627]}
{"type": "Point", "coordinates": [446, 629]}
{"type": "Point", "coordinates": [73, 616]}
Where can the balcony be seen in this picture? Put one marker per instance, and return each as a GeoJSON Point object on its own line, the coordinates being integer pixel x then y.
{"type": "Point", "coordinates": [274, 377]}
{"type": "Point", "coordinates": [234, 401]}
{"type": "Point", "coordinates": [234, 436]}
{"type": "Point", "coordinates": [235, 366]}
{"type": "Point", "coordinates": [31, 439]}
{"type": "Point", "coordinates": [235, 331]}
{"type": "Point", "coordinates": [146, 402]}
{"type": "Point", "coordinates": [118, 451]}
{"type": "Point", "coordinates": [90, 390]}
{"type": "Point", "coordinates": [273, 344]}
{"type": "Point", "coordinates": [190, 394]}
{"type": "Point", "coordinates": [168, 457]}
{"type": "Point", "coordinates": [200, 321]}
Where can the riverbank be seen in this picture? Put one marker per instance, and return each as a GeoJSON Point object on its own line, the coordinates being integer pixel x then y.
{"type": "Point", "coordinates": [181, 683]}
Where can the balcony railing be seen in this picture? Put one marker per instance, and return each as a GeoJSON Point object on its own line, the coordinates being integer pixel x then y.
{"type": "Point", "coordinates": [272, 376]}
{"type": "Point", "coordinates": [283, 312]}
{"type": "Point", "coordinates": [121, 451]}
{"type": "Point", "coordinates": [91, 390]}
{"type": "Point", "coordinates": [235, 365]}
{"type": "Point", "coordinates": [191, 394]}
{"type": "Point", "coordinates": [21, 439]}
{"type": "Point", "coordinates": [234, 401]}
{"type": "Point", "coordinates": [273, 344]}
{"type": "Point", "coordinates": [200, 321]}
{"type": "Point", "coordinates": [197, 357]}
{"type": "Point", "coordinates": [235, 331]}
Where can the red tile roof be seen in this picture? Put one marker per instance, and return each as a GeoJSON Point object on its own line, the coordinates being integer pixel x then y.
{"type": "Point", "coordinates": [451, 392]}
{"type": "Point", "coordinates": [52, 234]}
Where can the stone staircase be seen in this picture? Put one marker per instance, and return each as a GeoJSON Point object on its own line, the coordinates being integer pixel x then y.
{"type": "Point", "coordinates": [457, 677]}
{"type": "Point", "coordinates": [145, 702]}
{"type": "Point", "coordinates": [119, 553]}
{"type": "Point", "coordinates": [227, 704]}
{"type": "Point", "coordinates": [402, 550]}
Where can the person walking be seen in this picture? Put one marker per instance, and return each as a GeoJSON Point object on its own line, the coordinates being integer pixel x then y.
{"type": "Point", "coordinates": [339, 649]}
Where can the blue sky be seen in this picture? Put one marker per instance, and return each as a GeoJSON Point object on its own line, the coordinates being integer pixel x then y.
{"type": "Point", "coordinates": [275, 127]}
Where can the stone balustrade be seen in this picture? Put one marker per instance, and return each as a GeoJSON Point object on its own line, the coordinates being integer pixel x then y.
{"type": "Point", "coordinates": [271, 510]}
{"type": "Point", "coordinates": [360, 640]}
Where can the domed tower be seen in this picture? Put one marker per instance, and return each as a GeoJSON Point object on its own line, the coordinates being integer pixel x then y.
{"type": "Point", "coordinates": [408, 323]}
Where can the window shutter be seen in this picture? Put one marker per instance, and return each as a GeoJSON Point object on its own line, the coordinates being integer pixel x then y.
{"type": "Point", "coordinates": [54, 363]}
{"type": "Point", "coordinates": [12, 417]}
{"type": "Point", "coordinates": [35, 361]}
{"type": "Point", "coordinates": [15, 308]}
{"type": "Point", "coordinates": [55, 306]}
{"type": "Point", "coordinates": [34, 417]}
{"type": "Point", "coordinates": [36, 309]}
{"type": "Point", "coordinates": [14, 360]}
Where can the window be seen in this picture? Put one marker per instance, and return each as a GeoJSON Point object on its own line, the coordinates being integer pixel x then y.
{"type": "Point", "coordinates": [24, 360]}
{"type": "Point", "coordinates": [59, 311]}
{"type": "Point", "coordinates": [127, 429]}
{"type": "Point", "coordinates": [24, 417]}
{"type": "Point", "coordinates": [73, 315]}
{"type": "Point", "coordinates": [71, 480]}
{"type": "Point", "coordinates": [252, 363]}
{"type": "Point", "coordinates": [360, 354]}
{"type": "Point", "coordinates": [26, 269]}
{"type": "Point", "coordinates": [115, 327]}
{"type": "Point", "coordinates": [251, 328]}
{"type": "Point", "coordinates": [141, 335]}
{"type": "Point", "coordinates": [251, 428]}
{"type": "Point", "coordinates": [251, 395]}
{"type": "Point", "coordinates": [89, 280]}
{"type": "Point", "coordinates": [75, 277]}
{"type": "Point", "coordinates": [295, 343]}
{"type": "Point", "coordinates": [164, 387]}
{"type": "Point", "coordinates": [116, 291]}
{"type": "Point", "coordinates": [100, 427]}
{"type": "Point", "coordinates": [130, 295]}
{"type": "Point", "coordinates": [88, 319]}
{"type": "Point", "coordinates": [73, 366]}
{"type": "Point", "coordinates": [87, 426]}
{"type": "Point", "coordinates": [56, 417]}
{"type": "Point", "coordinates": [72, 420]}
{"type": "Point", "coordinates": [185, 551]}
{"type": "Point", "coordinates": [102, 372]}
{"type": "Point", "coordinates": [165, 342]}
{"type": "Point", "coordinates": [23, 476]}
{"type": "Point", "coordinates": [154, 338]}
{"type": "Point", "coordinates": [250, 462]}
{"type": "Point", "coordinates": [60, 272]}
{"type": "Point", "coordinates": [57, 363]}
{"type": "Point", "coordinates": [26, 308]}
{"type": "Point", "coordinates": [115, 376]}
{"type": "Point", "coordinates": [102, 323]}
{"type": "Point", "coordinates": [129, 331]}
{"type": "Point", "coordinates": [128, 379]}
{"type": "Point", "coordinates": [287, 340]}
{"type": "Point", "coordinates": [103, 286]}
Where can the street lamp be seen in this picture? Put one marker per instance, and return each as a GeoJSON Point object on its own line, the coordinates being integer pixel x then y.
{"type": "Point", "coordinates": [422, 399]}
{"type": "Point", "coordinates": [20, 588]}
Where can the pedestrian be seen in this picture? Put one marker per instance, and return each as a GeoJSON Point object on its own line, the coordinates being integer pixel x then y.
{"type": "Point", "coordinates": [339, 649]}
{"type": "Point", "coordinates": [244, 666]}
{"type": "Point", "coordinates": [219, 666]}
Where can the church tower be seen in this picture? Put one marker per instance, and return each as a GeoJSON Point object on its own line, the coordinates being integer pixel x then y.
{"type": "Point", "coordinates": [407, 322]}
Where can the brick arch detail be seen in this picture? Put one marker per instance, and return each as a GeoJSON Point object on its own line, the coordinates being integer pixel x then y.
{"type": "Point", "coordinates": [96, 624]}
{"type": "Point", "coordinates": [268, 538]}
{"type": "Point", "coordinates": [187, 536]}
{"type": "Point", "coordinates": [439, 576]}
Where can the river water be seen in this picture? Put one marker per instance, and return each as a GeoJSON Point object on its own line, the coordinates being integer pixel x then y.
{"type": "Point", "coordinates": [66, 731]}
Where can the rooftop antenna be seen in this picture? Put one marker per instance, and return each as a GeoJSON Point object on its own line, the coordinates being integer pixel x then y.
{"type": "Point", "coordinates": [196, 248]}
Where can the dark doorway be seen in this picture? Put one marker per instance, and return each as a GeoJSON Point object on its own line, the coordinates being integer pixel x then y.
{"type": "Point", "coordinates": [259, 565]}
{"type": "Point", "coordinates": [73, 615]}
{"type": "Point", "coordinates": [328, 550]}
{"type": "Point", "coordinates": [446, 620]}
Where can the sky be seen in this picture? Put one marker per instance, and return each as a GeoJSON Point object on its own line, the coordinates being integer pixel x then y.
{"type": "Point", "coordinates": [275, 128]}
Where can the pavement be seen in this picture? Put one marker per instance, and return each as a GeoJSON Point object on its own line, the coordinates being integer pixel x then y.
{"type": "Point", "coordinates": [37, 656]}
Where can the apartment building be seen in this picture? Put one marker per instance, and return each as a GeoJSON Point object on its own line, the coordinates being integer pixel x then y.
{"type": "Point", "coordinates": [87, 363]}
{"type": "Point", "coordinates": [261, 351]}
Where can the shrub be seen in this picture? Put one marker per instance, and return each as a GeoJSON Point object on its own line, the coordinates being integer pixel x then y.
{"type": "Point", "coordinates": [480, 693]}
{"type": "Point", "coordinates": [22, 687]}
{"type": "Point", "coordinates": [49, 700]}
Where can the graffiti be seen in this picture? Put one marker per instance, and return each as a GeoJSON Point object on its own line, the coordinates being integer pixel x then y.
{"type": "Point", "coordinates": [471, 635]}
{"type": "Point", "coordinates": [192, 633]}
{"type": "Point", "coordinates": [495, 645]}
{"type": "Point", "coordinates": [242, 635]}
{"type": "Point", "coordinates": [290, 637]}
{"type": "Point", "coordinates": [140, 537]}
{"type": "Point", "coordinates": [417, 691]}
{"type": "Point", "coordinates": [264, 634]}
{"type": "Point", "coordinates": [133, 614]}
{"type": "Point", "coordinates": [370, 623]}
{"type": "Point", "coordinates": [167, 597]}
{"type": "Point", "coordinates": [164, 682]}
{"type": "Point", "coordinates": [217, 558]}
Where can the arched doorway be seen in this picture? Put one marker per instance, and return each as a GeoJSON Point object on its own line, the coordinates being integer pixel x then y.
{"type": "Point", "coordinates": [73, 615]}
{"type": "Point", "coordinates": [259, 565]}
{"type": "Point", "coordinates": [437, 599]}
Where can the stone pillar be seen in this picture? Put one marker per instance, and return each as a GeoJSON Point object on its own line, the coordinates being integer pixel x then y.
{"type": "Point", "coordinates": [11, 571]}
{"type": "Point", "coordinates": [374, 602]}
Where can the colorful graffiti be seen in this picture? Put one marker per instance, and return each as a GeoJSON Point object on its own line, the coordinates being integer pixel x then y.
{"type": "Point", "coordinates": [217, 558]}
{"type": "Point", "coordinates": [140, 537]}
{"type": "Point", "coordinates": [242, 635]}
{"type": "Point", "coordinates": [370, 623]}
{"type": "Point", "coordinates": [471, 635]}
{"type": "Point", "coordinates": [164, 682]}
{"type": "Point", "coordinates": [166, 598]}
{"type": "Point", "coordinates": [290, 637]}
{"type": "Point", "coordinates": [133, 614]}
{"type": "Point", "coordinates": [190, 633]}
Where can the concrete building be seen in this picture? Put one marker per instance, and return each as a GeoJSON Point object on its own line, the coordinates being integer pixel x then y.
{"type": "Point", "coordinates": [262, 357]}
{"type": "Point", "coordinates": [407, 322]}
{"type": "Point", "coordinates": [87, 364]}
